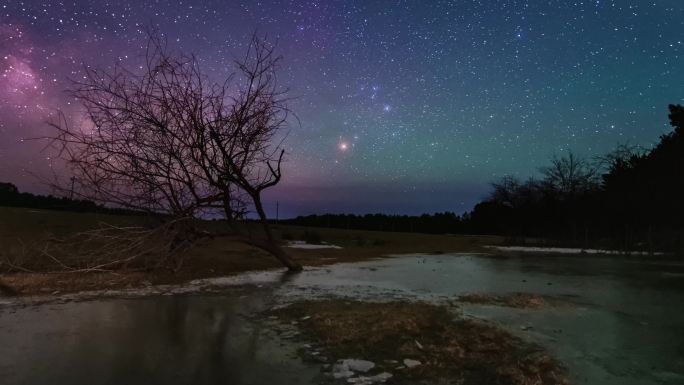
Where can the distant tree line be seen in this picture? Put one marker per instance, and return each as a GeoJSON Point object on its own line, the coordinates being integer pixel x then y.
{"type": "Point", "coordinates": [10, 196]}
{"type": "Point", "coordinates": [438, 223]}
{"type": "Point", "coordinates": [628, 199]}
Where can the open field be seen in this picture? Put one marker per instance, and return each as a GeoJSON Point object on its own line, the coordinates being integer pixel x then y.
{"type": "Point", "coordinates": [28, 268]}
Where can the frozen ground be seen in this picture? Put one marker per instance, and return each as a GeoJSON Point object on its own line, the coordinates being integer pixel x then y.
{"type": "Point", "coordinates": [568, 250]}
{"type": "Point", "coordinates": [311, 246]}
{"type": "Point", "coordinates": [621, 322]}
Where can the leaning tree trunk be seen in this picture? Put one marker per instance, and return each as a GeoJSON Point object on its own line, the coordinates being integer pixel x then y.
{"type": "Point", "coordinates": [228, 210]}
{"type": "Point", "coordinates": [7, 290]}
{"type": "Point", "coordinates": [271, 245]}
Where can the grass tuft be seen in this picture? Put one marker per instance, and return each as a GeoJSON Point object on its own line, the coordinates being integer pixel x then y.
{"type": "Point", "coordinates": [516, 300]}
{"type": "Point", "coordinates": [461, 351]}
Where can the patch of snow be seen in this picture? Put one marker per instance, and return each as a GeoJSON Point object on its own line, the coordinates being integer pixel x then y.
{"type": "Point", "coordinates": [363, 380]}
{"type": "Point", "coordinates": [382, 377]}
{"type": "Point", "coordinates": [194, 286]}
{"type": "Point", "coordinates": [310, 246]}
{"type": "Point", "coordinates": [409, 363]}
{"type": "Point", "coordinates": [342, 374]}
{"type": "Point", "coordinates": [353, 365]}
{"type": "Point", "coordinates": [569, 250]}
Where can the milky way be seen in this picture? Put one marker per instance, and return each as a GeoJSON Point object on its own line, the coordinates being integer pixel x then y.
{"type": "Point", "coordinates": [405, 106]}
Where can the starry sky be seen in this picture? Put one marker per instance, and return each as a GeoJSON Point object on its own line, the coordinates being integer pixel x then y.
{"type": "Point", "coordinates": [405, 106]}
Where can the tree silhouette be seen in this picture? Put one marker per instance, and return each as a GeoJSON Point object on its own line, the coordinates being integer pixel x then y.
{"type": "Point", "coordinates": [633, 201]}
{"type": "Point", "coordinates": [569, 175]}
{"type": "Point", "coordinates": [169, 141]}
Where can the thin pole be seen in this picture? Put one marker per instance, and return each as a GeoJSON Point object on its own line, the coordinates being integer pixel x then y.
{"type": "Point", "coordinates": [71, 195]}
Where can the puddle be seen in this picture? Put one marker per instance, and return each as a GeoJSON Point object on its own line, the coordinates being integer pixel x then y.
{"type": "Point", "coordinates": [179, 339]}
{"type": "Point", "coordinates": [622, 325]}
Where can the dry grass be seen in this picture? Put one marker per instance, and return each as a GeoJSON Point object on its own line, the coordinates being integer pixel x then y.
{"type": "Point", "coordinates": [516, 300]}
{"type": "Point", "coordinates": [24, 234]}
{"type": "Point", "coordinates": [458, 350]}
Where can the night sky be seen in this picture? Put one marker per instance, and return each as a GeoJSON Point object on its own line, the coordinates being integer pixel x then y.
{"type": "Point", "coordinates": [405, 106]}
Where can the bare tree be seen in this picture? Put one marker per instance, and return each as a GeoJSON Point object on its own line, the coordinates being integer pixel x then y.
{"type": "Point", "coordinates": [624, 158]}
{"type": "Point", "coordinates": [240, 156]}
{"type": "Point", "coordinates": [570, 175]}
{"type": "Point", "coordinates": [505, 191]}
{"type": "Point", "coordinates": [510, 191]}
{"type": "Point", "coordinates": [170, 142]}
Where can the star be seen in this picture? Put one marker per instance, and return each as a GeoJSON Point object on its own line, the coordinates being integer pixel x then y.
{"type": "Point", "coordinates": [506, 86]}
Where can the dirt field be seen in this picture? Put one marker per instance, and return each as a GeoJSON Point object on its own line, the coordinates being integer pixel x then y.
{"type": "Point", "coordinates": [28, 269]}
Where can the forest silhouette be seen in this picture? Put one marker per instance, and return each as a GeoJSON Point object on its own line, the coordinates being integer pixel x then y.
{"type": "Point", "coordinates": [629, 199]}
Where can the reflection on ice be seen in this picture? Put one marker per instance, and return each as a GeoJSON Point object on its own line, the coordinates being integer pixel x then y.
{"type": "Point", "coordinates": [621, 325]}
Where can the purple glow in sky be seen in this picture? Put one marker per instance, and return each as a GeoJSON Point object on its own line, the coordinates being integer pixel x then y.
{"type": "Point", "coordinates": [405, 106]}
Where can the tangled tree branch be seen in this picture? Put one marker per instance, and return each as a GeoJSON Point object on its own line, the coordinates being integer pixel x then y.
{"type": "Point", "coordinates": [168, 141]}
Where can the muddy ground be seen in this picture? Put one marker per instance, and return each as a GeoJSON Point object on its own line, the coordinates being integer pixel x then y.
{"type": "Point", "coordinates": [33, 262]}
{"type": "Point", "coordinates": [418, 341]}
